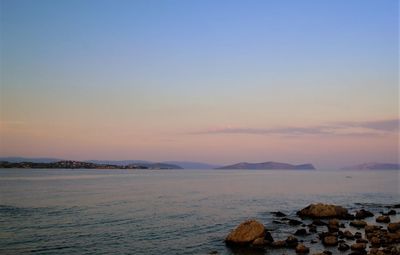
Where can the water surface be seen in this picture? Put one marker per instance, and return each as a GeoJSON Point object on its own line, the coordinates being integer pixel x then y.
{"type": "Point", "coordinates": [166, 211]}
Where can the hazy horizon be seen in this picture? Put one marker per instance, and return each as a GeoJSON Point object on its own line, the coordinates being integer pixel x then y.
{"type": "Point", "coordinates": [218, 82]}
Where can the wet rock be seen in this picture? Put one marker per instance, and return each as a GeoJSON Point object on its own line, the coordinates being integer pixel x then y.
{"type": "Point", "coordinates": [291, 241]}
{"type": "Point", "coordinates": [333, 225]}
{"type": "Point", "coordinates": [375, 241]}
{"type": "Point", "coordinates": [348, 235]}
{"type": "Point", "coordinates": [393, 227]}
{"type": "Point", "coordinates": [302, 249]}
{"type": "Point", "coordinates": [360, 252]}
{"type": "Point", "coordinates": [330, 240]}
{"type": "Point", "coordinates": [312, 228]}
{"type": "Point", "coordinates": [361, 240]}
{"type": "Point", "coordinates": [357, 235]}
{"type": "Point", "coordinates": [391, 212]}
{"type": "Point", "coordinates": [301, 232]}
{"type": "Point", "coordinates": [323, 211]}
{"type": "Point", "coordinates": [279, 214]}
{"type": "Point", "coordinates": [393, 237]}
{"type": "Point", "coordinates": [246, 233]}
{"type": "Point", "coordinates": [362, 214]}
{"type": "Point", "coordinates": [268, 237]}
{"type": "Point", "coordinates": [358, 246]}
{"type": "Point", "coordinates": [279, 244]}
{"type": "Point", "coordinates": [358, 223]}
{"type": "Point", "coordinates": [293, 222]}
{"type": "Point", "coordinates": [213, 252]}
{"type": "Point", "coordinates": [383, 219]}
{"type": "Point", "coordinates": [371, 228]}
{"type": "Point", "coordinates": [319, 222]}
{"type": "Point", "coordinates": [259, 242]}
{"type": "Point", "coordinates": [343, 247]}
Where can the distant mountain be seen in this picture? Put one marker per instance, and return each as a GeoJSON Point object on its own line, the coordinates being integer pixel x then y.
{"type": "Point", "coordinates": [374, 166]}
{"type": "Point", "coordinates": [192, 165]}
{"type": "Point", "coordinates": [267, 165]}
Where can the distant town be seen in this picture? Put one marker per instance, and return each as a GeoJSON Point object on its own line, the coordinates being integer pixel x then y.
{"type": "Point", "coordinates": [70, 164]}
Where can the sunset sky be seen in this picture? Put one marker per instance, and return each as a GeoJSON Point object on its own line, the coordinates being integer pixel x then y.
{"type": "Point", "coordinates": [213, 81]}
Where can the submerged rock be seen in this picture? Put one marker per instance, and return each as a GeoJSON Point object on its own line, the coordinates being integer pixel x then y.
{"type": "Point", "coordinates": [393, 227]}
{"type": "Point", "coordinates": [358, 223]}
{"type": "Point", "coordinates": [330, 240]}
{"type": "Point", "coordinates": [343, 247]}
{"type": "Point", "coordinates": [294, 222]}
{"type": "Point", "coordinates": [279, 214]}
{"type": "Point", "coordinates": [362, 214]}
{"type": "Point", "coordinates": [358, 246]}
{"type": "Point", "coordinates": [246, 233]}
{"type": "Point", "coordinates": [383, 219]}
{"type": "Point", "coordinates": [348, 235]}
{"type": "Point", "coordinates": [301, 232]}
{"type": "Point", "coordinates": [291, 241]}
{"type": "Point", "coordinates": [323, 211]}
{"type": "Point", "coordinates": [279, 244]}
{"type": "Point", "coordinates": [302, 249]}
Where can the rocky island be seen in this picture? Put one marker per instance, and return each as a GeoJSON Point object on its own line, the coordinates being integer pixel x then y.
{"type": "Point", "coordinates": [269, 166]}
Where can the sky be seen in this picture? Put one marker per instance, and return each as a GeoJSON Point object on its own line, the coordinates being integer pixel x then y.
{"type": "Point", "coordinates": [213, 81]}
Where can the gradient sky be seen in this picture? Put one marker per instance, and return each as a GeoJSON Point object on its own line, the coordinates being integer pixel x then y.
{"type": "Point", "coordinates": [214, 81]}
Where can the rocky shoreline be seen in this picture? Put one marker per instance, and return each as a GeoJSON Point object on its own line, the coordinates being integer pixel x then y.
{"type": "Point", "coordinates": [327, 226]}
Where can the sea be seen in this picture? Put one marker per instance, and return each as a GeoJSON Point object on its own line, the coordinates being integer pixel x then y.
{"type": "Point", "coordinates": [81, 211]}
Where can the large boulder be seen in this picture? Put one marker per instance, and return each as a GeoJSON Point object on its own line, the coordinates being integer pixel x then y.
{"type": "Point", "coordinates": [246, 233]}
{"type": "Point", "coordinates": [323, 211]}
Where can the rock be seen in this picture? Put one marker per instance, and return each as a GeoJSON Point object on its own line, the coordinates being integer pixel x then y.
{"type": "Point", "coordinates": [293, 222]}
{"type": "Point", "coordinates": [279, 214]}
{"type": "Point", "coordinates": [375, 241]}
{"type": "Point", "coordinates": [333, 225]}
{"type": "Point", "coordinates": [312, 228]}
{"type": "Point", "coordinates": [391, 212]}
{"type": "Point", "coordinates": [301, 232]}
{"type": "Point", "coordinates": [323, 211]}
{"type": "Point", "coordinates": [343, 247]}
{"type": "Point", "coordinates": [357, 235]}
{"type": "Point", "coordinates": [246, 233]}
{"type": "Point", "coordinates": [371, 228]}
{"type": "Point", "coordinates": [334, 222]}
{"type": "Point", "coordinates": [358, 223]}
{"type": "Point", "coordinates": [361, 240]}
{"type": "Point", "coordinates": [279, 244]}
{"type": "Point", "coordinates": [268, 237]}
{"type": "Point", "coordinates": [330, 240]}
{"type": "Point", "coordinates": [393, 227]}
{"type": "Point", "coordinates": [348, 235]}
{"type": "Point", "coordinates": [358, 246]}
{"type": "Point", "coordinates": [362, 214]}
{"type": "Point", "coordinates": [393, 237]}
{"type": "Point", "coordinates": [213, 252]}
{"type": "Point", "coordinates": [313, 241]}
{"type": "Point", "coordinates": [302, 249]}
{"type": "Point", "coordinates": [383, 219]}
{"type": "Point", "coordinates": [291, 241]}
{"type": "Point", "coordinates": [319, 222]}
{"type": "Point", "coordinates": [259, 242]}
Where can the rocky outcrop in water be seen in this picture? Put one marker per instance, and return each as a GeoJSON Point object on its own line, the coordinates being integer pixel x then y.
{"type": "Point", "coordinates": [329, 225]}
{"type": "Point", "coordinates": [246, 233]}
{"type": "Point", "coordinates": [323, 211]}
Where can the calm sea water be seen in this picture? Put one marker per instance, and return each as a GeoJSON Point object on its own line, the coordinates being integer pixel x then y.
{"type": "Point", "coordinates": [166, 211]}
